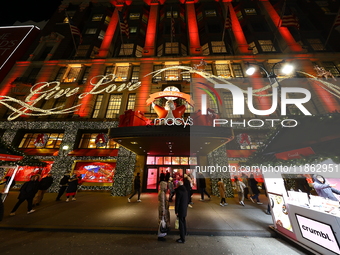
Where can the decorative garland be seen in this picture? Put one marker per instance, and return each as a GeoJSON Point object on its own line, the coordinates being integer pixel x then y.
{"type": "Point", "coordinates": [101, 140]}
{"type": "Point", "coordinates": [256, 158]}
{"type": "Point", "coordinates": [243, 139]}
{"type": "Point", "coordinates": [41, 140]}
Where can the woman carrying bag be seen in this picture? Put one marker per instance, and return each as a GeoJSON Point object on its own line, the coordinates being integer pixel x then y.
{"type": "Point", "coordinates": [163, 212]}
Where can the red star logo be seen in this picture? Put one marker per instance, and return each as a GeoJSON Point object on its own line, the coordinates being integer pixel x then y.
{"type": "Point", "coordinates": [148, 122]}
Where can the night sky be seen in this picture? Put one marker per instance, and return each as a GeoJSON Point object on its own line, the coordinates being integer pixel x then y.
{"type": "Point", "coordinates": [23, 10]}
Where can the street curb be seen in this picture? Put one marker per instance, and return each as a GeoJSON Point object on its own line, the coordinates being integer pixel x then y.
{"type": "Point", "coordinates": [259, 233]}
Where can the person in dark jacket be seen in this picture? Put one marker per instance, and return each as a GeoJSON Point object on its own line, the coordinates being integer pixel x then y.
{"type": "Point", "coordinates": [201, 186]}
{"type": "Point", "coordinates": [44, 184]}
{"type": "Point", "coordinates": [72, 188]}
{"type": "Point", "coordinates": [27, 192]}
{"type": "Point", "coordinates": [63, 186]}
{"type": "Point", "coordinates": [187, 185]}
{"type": "Point", "coordinates": [255, 189]}
{"type": "Point", "coordinates": [324, 189]}
{"type": "Point", "coordinates": [136, 187]}
{"type": "Point", "coordinates": [181, 208]}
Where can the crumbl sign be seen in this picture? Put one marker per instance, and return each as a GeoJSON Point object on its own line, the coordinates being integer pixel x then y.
{"type": "Point", "coordinates": [318, 233]}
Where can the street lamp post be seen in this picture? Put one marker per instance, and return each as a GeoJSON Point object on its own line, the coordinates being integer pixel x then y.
{"type": "Point", "coordinates": [274, 83]}
{"type": "Point", "coordinates": [287, 69]}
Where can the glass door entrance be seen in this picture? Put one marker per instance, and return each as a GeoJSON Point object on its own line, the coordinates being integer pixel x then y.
{"type": "Point", "coordinates": [154, 175]}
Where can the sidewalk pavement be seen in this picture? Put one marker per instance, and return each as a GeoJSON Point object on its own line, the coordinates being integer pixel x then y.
{"type": "Point", "coordinates": [101, 212]}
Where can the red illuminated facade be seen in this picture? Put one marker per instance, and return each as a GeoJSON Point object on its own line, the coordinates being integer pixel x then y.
{"type": "Point", "coordinates": [161, 35]}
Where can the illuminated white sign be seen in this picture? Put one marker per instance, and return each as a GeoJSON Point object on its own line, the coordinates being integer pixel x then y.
{"type": "Point", "coordinates": [52, 90]}
{"type": "Point", "coordinates": [318, 232]}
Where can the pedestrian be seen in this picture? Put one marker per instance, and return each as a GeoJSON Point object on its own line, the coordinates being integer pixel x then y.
{"type": "Point", "coordinates": [44, 184]}
{"type": "Point", "coordinates": [181, 207]}
{"type": "Point", "coordinates": [162, 176]}
{"type": "Point", "coordinates": [171, 188]}
{"type": "Point", "coordinates": [163, 209]}
{"type": "Point", "coordinates": [301, 184]}
{"type": "Point", "coordinates": [187, 185]}
{"type": "Point", "coordinates": [137, 188]}
{"type": "Point", "coordinates": [72, 188]}
{"type": "Point", "coordinates": [268, 211]}
{"type": "Point", "coordinates": [324, 189]}
{"type": "Point", "coordinates": [63, 185]}
{"type": "Point", "coordinates": [167, 176]}
{"type": "Point", "coordinates": [202, 186]}
{"type": "Point", "coordinates": [221, 188]}
{"type": "Point", "coordinates": [4, 187]}
{"type": "Point", "coordinates": [240, 186]}
{"type": "Point", "coordinates": [244, 178]}
{"type": "Point", "coordinates": [27, 192]}
{"type": "Point", "coordinates": [255, 190]}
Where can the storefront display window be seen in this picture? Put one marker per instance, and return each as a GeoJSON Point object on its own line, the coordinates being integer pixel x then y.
{"type": "Point", "coordinates": [100, 172]}
{"type": "Point", "coordinates": [175, 160]}
{"type": "Point", "coordinates": [159, 160]}
{"type": "Point", "coordinates": [184, 160]}
{"type": "Point", "coordinates": [25, 173]}
{"type": "Point", "coordinates": [167, 161]}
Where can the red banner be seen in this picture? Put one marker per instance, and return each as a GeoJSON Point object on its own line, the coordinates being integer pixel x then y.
{"type": "Point", "coordinates": [295, 153]}
{"type": "Point", "coordinates": [6, 157]}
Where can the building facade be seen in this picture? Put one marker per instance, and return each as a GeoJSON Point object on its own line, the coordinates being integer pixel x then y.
{"type": "Point", "coordinates": [91, 94]}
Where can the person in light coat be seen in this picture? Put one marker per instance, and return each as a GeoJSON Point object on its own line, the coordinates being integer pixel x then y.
{"type": "Point", "coordinates": [163, 208]}
{"type": "Point", "coordinates": [240, 186]}
{"type": "Point", "coordinates": [221, 188]}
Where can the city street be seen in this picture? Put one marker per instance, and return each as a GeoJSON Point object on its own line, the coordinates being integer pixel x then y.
{"type": "Point", "coordinates": [98, 223]}
{"type": "Point", "coordinates": [55, 243]}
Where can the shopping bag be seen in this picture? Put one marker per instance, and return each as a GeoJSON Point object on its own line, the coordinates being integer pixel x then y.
{"type": "Point", "coordinates": [177, 224]}
{"type": "Point", "coordinates": [162, 226]}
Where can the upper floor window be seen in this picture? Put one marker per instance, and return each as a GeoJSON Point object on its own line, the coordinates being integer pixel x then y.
{"type": "Point", "coordinates": [210, 13]}
{"type": "Point", "coordinates": [97, 106]}
{"type": "Point", "coordinates": [97, 17]}
{"type": "Point", "coordinates": [91, 31]}
{"type": "Point", "coordinates": [85, 74]}
{"type": "Point", "coordinates": [316, 44]}
{"type": "Point", "coordinates": [171, 48]}
{"type": "Point", "coordinates": [72, 74]}
{"type": "Point", "coordinates": [113, 107]}
{"type": "Point", "coordinates": [266, 45]}
{"type": "Point", "coordinates": [131, 102]}
{"type": "Point", "coordinates": [250, 11]}
{"type": "Point", "coordinates": [88, 141]}
{"type": "Point", "coordinates": [237, 70]}
{"type": "Point", "coordinates": [170, 74]}
{"type": "Point", "coordinates": [135, 74]}
{"type": "Point", "coordinates": [218, 47]}
{"type": "Point", "coordinates": [126, 49]}
{"type": "Point", "coordinates": [60, 74]}
{"type": "Point", "coordinates": [252, 45]}
{"type": "Point", "coordinates": [107, 20]}
{"type": "Point", "coordinates": [329, 66]}
{"type": "Point", "coordinates": [213, 104]}
{"type": "Point", "coordinates": [122, 73]}
{"type": "Point", "coordinates": [134, 16]}
{"type": "Point", "coordinates": [223, 70]}
{"type": "Point", "coordinates": [173, 14]}
{"type": "Point", "coordinates": [228, 105]}
{"type": "Point", "coordinates": [68, 74]}
{"type": "Point", "coordinates": [205, 49]}
{"type": "Point", "coordinates": [41, 140]}
{"type": "Point", "coordinates": [158, 77]}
